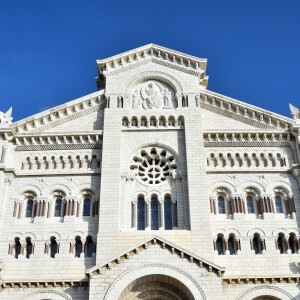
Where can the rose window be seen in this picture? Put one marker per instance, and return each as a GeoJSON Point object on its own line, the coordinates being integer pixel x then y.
{"type": "Point", "coordinates": [153, 166]}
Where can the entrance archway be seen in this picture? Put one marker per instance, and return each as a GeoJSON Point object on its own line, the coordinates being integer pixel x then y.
{"type": "Point", "coordinates": [155, 282]}
{"type": "Point", "coordinates": [156, 287]}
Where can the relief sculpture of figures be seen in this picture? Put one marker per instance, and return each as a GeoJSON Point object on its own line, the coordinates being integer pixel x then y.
{"type": "Point", "coordinates": [152, 95]}
{"type": "Point", "coordinates": [5, 118]}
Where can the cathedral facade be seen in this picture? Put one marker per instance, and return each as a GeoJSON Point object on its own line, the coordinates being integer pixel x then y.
{"type": "Point", "coordinates": [153, 187]}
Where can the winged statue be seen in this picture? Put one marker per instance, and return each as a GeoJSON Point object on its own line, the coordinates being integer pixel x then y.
{"type": "Point", "coordinates": [6, 118]}
{"type": "Point", "coordinates": [295, 111]}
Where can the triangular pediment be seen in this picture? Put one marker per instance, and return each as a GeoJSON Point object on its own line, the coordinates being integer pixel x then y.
{"type": "Point", "coordinates": [50, 119]}
{"type": "Point", "coordinates": [167, 246]}
{"type": "Point", "coordinates": [242, 112]}
{"type": "Point", "coordinates": [152, 53]}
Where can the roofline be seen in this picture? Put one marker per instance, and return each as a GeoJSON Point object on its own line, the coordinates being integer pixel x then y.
{"type": "Point", "coordinates": [151, 45]}
{"type": "Point", "coordinates": [155, 237]}
{"type": "Point", "coordinates": [250, 106]}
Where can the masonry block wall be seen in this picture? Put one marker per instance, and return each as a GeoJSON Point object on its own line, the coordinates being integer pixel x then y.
{"type": "Point", "coordinates": [153, 185]}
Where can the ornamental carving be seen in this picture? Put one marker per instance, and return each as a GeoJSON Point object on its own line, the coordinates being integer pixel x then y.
{"type": "Point", "coordinates": [152, 95]}
{"type": "Point", "coordinates": [153, 166]}
{"type": "Point", "coordinates": [6, 118]}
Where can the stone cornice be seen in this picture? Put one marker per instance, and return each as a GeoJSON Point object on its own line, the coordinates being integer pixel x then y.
{"type": "Point", "coordinates": [44, 284]}
{"type": "Point", "coordinates": [60, 114]}
{"type": "Point", "coordinates": [243, 112]}
{"type": "Point", "coordinates": [247, 139]}
{"type": "Point", "coordinates": [263, 279]}
{"type": "Point", "coordinates": [183, 253]}
{"type": "Point", "coordinates": [157, 54]}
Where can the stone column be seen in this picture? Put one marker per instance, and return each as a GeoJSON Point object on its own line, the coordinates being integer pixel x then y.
{"type": "Point", "coordinates": [148, 213]}
{"type": "Point", "coordinates": [162, 213]}
{"type": "Point", "coordinates": [134, 214]}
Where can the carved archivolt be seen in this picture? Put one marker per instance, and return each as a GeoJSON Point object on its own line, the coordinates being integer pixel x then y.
{"type": "Point", "coordinates": [265, 290]}
{"type": "Point", "coordinates": [47, 294]}
{"type": "Point", "coordinates": [134, 273]}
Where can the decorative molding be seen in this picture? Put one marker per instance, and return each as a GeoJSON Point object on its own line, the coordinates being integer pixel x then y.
{"type": "Point", "coordinates": [58, 147]}
{"type": "Point", "coordinates": [165, 245]}
{"type": "Point", "coordinates": [246, 144]}
{"type": "Point", "coordinates": [128, 275]}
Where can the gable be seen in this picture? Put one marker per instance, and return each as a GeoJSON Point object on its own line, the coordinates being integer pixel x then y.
{"type": "Point", "coordinates": [156, 250]}
{"type": "Point", "coordinates": [88, 122]}
{"type": "Point", "coordinates": [241, 114]}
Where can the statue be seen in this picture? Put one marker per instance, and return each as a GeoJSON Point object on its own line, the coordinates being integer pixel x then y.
{"type": "Point", "coordinates": [295, 112]}
{"type": "Point", "coordinates": [5, 118]}
{"type": "Point", "coordinates": [136, 100]}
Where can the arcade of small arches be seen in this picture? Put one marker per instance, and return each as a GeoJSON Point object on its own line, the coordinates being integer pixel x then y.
{"type": "Point", "coordinates": [253, 160]}
{"type": "Point", "coordinates": [162, 121]}
{"type": "Point", "coordinates": [230, 244]}
{"type": "Point", "coordinates": [154, 212]}
{"type": "Point", "coordinates": [80, 246]}
{"type": "Point", "coordinates": [252, 203]}
{"type": "Point", "coordinates": [57, 206]}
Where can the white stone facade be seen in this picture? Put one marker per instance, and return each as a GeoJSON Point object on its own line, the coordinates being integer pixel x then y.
{"type": "Point", "coordinates": [153, 187]}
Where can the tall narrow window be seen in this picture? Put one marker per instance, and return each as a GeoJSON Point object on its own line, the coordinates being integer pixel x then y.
{"type": "Point", "coordinates": [58, 207]}
{"type": "Point", "coordinates": [250, 205]}
{"type": "Point", "coordinates": [220, 246]}
{"type": "Point", "coordinates": [278, 205]}
{"type": "Point", "coordinates": [168, 213]}
{"type": "Point", "coordinates": [292, 243]}
{"type": "Point", "coordinates": [231, 246]}
{"type": "Point", "coordinates": [141, 214]}
{"type": "Point", "coordinates": [28, 247]}
{"type": "Point", "coordinates": [29, 209]}
{"type": "Point", "coordinates": [154, 213]}
{"type": "Point", "coordinates": [221, 205]}
{"type": "Point", "coordinates": [280, 243]}
{"type": "Point", "coordinates": [17, 247]}
{"type": "Point", "coordinates": [78, 246]}
{"type": "Point", "coordinates": [89, 244]}
{"type": "Point", "coordinates": [53, 247]}
{"type": "Point", "coordinates": [87, 207]}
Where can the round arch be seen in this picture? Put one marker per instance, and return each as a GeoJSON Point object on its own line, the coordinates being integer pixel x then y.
{"type": "Point", "coordinates": [152, 75]}
{"type": "Point", "coordinates": [128, 281]}
{"type": "Point", "coordinates": [265, 291]}
{"type": "Point", "coordinates": [47, 294]}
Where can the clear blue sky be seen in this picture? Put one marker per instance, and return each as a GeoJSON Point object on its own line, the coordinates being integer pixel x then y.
{"type": "Point", "coordinates": [48, 48]}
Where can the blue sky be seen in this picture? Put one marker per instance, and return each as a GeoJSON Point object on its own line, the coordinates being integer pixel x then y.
{"type": "Point", "coordinates": [48, 48]}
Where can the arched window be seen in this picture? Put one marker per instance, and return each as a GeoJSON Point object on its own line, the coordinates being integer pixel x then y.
{"type": "Point", "coordinates": [220, 245]}
{"type": "Point", "coordinates": [78, 246]}
{"type": "Point", "coordinates": [281, 243]}
{"type": "Point", "coordinates": [221, 205]}
{"type": "Point", "coordinates": [53, 247]}
{"type": "Point", "coordinates": [17, 247]}
{"type": "Point", "coordinates": [29, 247]}
{"type": "Point", "coordinates": [29, 209]}
{"type": "Point", "coordinates": [168, 213]}
{"type": "Point", "coordinates": [250, 205]}
{"type": "Point", "coordinates": [141, 214]}
{"type": "Point", "coordinates": [154, 213]}
{"type": "Point", "coordinates": [278, 204]}
{"type": "Point", "coordinates": [257, 244]}
{"type": "Point", "coordinates": [87, 207]}
{"type": "Point", "coordinates": [89, 245]}
{"type": "Point", "coordinates": [58, 208]}
{"type": "Point", "coordinates": [293, 243]}
{"type": "Point", "coordinates": [232, 245]}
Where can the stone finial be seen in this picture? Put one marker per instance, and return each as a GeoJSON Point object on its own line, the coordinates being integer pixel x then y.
{"type": "Point", "coordinates": [5, 118]}
{"type": "Point", "coordinates": [295, 112]}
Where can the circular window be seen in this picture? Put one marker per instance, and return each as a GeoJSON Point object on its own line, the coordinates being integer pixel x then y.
{"type": "Point", "coordinates": [153, 166]}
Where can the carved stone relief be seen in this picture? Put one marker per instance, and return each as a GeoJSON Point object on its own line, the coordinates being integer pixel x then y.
{"type": "Point", "coordinates": [153, 95]}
